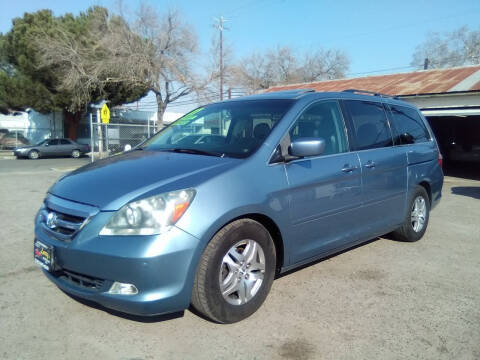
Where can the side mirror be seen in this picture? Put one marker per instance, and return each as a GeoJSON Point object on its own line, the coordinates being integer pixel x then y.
{"type": "Point", "coordinates": [46, 144]}
{"type": "Point", "coordinates": [127, 147]}
{"type": "Point", "coordinates": [304, 147]}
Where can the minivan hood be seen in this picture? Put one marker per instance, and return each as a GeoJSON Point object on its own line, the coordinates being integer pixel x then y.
{"type": "Point", "coordinates": [111, 183]}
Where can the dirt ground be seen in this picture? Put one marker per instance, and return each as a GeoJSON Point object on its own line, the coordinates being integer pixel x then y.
{"type": "Point", "coordinates": [382, 300]}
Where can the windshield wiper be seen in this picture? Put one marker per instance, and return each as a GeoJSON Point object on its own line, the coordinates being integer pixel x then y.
{"type": "Point", "coordinates": [196, 151]}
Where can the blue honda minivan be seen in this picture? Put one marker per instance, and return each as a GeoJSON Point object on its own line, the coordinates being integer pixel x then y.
{"type": "Point", "coordinates": [211, 208]}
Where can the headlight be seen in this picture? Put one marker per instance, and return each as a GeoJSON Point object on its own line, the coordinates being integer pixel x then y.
{"type": "Point", "coordinates": [149, 216]}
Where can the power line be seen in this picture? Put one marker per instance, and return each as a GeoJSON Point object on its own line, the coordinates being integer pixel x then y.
{"type": "Point", "coordinates": [237, 92]}
{"type": "Point", "coordinates": [198, 101]}
{"type": "Point", "coordinates": [242, 7]}
{"type": "Point", "coordinates": [382, 70]}
{"type": "Point", "coordinates": [397, 27]}
{"type": "Point", "coordinates": [249, 5]}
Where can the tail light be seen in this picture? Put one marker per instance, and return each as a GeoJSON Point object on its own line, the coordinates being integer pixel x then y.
{"type": "Point", "coordinates": [440, 157]}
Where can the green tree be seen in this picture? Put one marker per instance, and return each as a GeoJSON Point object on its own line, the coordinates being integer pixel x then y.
{"type": "Point", "coordinates": [27, 82]}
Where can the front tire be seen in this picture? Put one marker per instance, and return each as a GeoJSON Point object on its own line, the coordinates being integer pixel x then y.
{"type": "Point", "coordinates": [235, 273]}
{"type": "Point", "coordinates": [33, 155]}
{"type": "Point", "coordinates": [418, 214]}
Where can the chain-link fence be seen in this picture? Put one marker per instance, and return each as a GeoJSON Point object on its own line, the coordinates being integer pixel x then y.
{"type": "Point", "coordinates": [112, 138]}
{"type": "Point", "coordinates": [104, 139]}
{"type": "Point", "coordinates": [13, 137]}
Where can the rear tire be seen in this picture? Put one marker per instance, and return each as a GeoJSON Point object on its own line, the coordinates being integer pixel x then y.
{"type": "Point", "coordinates": [235, 272]}
{"type": "Point", "coordinates": [33, 155]}
{"type": "Point", "coordinates": [416, 221]}
{"type": "Point", "coordinates": [76, 154]}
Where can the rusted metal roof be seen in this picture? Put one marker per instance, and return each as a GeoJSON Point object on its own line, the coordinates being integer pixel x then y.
{"type": "Point", "coordinates": [414, 83]}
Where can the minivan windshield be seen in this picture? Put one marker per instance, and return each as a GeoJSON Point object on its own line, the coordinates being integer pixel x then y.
{"type": "Point", "coordinates": [233, 129]}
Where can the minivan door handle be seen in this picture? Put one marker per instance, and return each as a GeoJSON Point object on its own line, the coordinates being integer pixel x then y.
{"type": "Point", "coordinates": [348, 168]}
{"type": "Point", "coordinates": [370, 164]}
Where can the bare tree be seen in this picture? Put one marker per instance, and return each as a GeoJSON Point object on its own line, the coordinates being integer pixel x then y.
{"type": "Point", "coordinates": [283, 62]}
{"type": "Point", "coordinates": [154, 52]}
{"type": "Point", "coordinates": [283, 66]}
{"type": "Point", "coordinates": [170, 46]}
{"type": "Point", "coordinates": [324, 65]}
{"type": "Point", "coordinates": [253, 73]}
{"type": "Point", "coordinates": [456, 48]}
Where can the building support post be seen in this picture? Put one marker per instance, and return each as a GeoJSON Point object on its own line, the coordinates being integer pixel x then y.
{"type": "Point", "coordinates": [92, 145]}
{"type": "Point", "coordinates": [100, 136]}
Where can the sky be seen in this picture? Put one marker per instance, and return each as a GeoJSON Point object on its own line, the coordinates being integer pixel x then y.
{"type": "Point", "coordinates": [378, 36]}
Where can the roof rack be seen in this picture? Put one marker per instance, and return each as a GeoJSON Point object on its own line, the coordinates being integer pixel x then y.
{"type": "Point", "coordinates": [297, 91]}
{"type": "Point", "coordinates": [356, 91]}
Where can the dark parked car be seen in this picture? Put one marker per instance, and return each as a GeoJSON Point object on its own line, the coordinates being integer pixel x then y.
{"type": "Point", "coordinates": [52, 147]}
{"type": "Point", "coordinates": [274, 181]}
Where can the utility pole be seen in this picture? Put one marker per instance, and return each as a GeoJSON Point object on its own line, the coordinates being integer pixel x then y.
{"type": "Point", "coordinates": [425, 64]}
{"type": "Point", "coordinates": [220, 28]}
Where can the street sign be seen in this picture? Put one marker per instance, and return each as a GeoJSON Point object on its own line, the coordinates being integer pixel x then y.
{"type": "Point", "coordinates": [105, 114]}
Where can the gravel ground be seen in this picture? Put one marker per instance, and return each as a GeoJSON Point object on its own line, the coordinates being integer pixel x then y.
{"type": "Point", "coordinates": [382, 300]}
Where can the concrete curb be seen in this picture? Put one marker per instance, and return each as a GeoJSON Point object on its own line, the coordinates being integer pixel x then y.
{"type": "Point", "coordinates": [6, 155]}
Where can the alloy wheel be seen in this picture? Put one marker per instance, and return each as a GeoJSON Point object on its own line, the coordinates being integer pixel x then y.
{"type": "Point", "coordinates": [418, 214]}
{"type": "Point", "coordinates": [242, 272]}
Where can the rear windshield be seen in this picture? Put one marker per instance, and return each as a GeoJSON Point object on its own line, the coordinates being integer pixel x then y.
{"type": "Point", "coordinates": [233, 129]}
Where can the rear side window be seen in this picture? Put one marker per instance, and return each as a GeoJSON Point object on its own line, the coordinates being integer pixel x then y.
{"type": "Point", "coordinates": [408, 125]}
{"type": "Point", "coordinates": [370, 123]}
{"type": "Point", "coordinates": [64, 142]}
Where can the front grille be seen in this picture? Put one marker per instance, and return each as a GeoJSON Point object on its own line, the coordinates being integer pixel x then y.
{"type": "Point", "coordinates": [81, 280]}
{"type": "Point", "coordinates": [61, 224]}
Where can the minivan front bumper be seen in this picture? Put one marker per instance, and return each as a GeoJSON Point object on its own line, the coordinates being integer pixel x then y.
{"type": "Point", "coordinates": [161, 267]}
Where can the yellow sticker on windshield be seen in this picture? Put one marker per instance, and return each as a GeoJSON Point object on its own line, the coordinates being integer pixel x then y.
{"type": "Point", "coordinates": [188, 117]}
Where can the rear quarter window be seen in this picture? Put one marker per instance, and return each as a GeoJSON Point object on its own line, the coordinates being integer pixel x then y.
{"type": "Point", "coordinates": [408, 125]}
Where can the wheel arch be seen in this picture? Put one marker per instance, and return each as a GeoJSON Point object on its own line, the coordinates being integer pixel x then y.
{"type": "Point", "coordinates": [428, 189]}
{"type": "Point", "coordinates": [271, 227]}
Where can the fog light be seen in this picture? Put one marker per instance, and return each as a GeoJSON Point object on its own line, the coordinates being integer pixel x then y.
{"type": "Point", "coordinates": [123, 289]}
